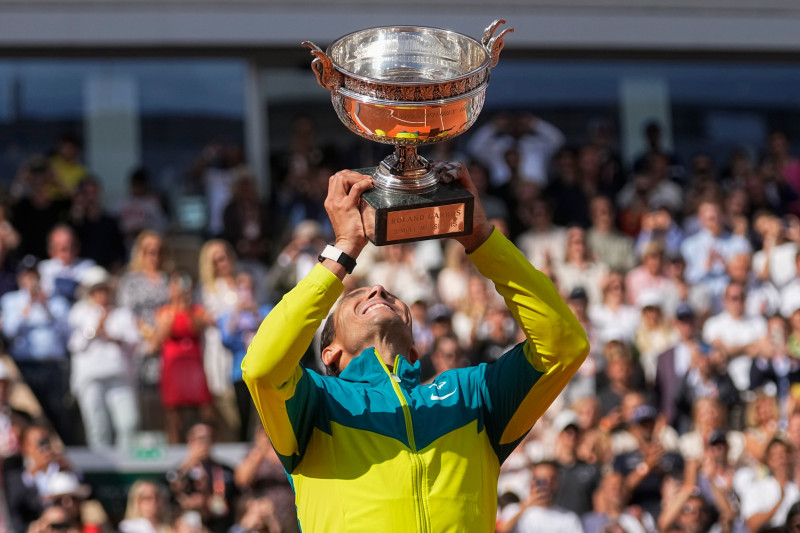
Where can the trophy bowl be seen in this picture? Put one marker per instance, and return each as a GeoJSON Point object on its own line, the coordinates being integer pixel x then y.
{"type": "Point", "coordinates": [409, 86]}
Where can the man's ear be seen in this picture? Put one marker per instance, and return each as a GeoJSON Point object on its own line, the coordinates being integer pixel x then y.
{"type": "Point", "coordinates": [331, 356]}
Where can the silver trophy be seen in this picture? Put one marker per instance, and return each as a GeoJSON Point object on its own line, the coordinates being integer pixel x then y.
{"type": "Point", "coordinates": [409, 86]}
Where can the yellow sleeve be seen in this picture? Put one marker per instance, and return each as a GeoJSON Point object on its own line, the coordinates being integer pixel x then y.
{"type": "Point", "coordinates": [281, 388]}
{"type": "Point", "coordinates": [556, 342]}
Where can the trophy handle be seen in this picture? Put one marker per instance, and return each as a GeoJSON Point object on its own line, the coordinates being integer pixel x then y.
{"type": "Point", "coordinates": [494, 44]}
{"type": "Point", "coordinates": [323, 68]}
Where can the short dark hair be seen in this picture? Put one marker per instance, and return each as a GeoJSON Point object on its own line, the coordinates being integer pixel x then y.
{"type": "Point", "coordinates": [325, 340]}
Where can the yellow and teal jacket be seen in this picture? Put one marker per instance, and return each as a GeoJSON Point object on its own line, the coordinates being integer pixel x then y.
{"type": "Point", "coordinates": [373, 450]}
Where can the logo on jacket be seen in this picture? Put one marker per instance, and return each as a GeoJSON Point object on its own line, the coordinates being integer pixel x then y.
{"type": "Point", "coordinates": [438, 386]}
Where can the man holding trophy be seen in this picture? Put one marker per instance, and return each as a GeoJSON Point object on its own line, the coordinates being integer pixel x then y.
{"type": "Point", "coordinates": [369, 448]}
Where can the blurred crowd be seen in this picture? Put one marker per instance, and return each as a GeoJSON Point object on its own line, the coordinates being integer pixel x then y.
{"type": "Point", "coordinates": [682, 269]}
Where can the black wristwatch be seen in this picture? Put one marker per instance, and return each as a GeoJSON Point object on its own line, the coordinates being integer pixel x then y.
{"type": "Point", "coordinates": [335, 254]}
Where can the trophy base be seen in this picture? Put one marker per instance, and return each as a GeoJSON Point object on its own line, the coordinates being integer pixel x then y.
{"type": "Point", "coordinates": [391, 217]}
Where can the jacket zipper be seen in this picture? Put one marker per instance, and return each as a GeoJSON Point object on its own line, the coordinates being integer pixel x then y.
{"type": "Point", "coordinates": [417, 479]}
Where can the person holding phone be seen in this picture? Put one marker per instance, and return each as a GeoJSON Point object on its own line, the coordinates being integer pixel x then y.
{"type": "Point", "coordinates": [539, 508]}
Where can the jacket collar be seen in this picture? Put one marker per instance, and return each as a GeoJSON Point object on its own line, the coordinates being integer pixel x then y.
{"type": "Point", "coordinates": [368, 368]}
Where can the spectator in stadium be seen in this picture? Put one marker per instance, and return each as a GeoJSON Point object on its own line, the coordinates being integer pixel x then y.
{"type": "Point", "coordinates": [67, 168]}
{"type": "Point", "coordinates": [577, 480]}
{"type": "Point", "coordinates": [715, 479]}
{"type": "Point", "coordinates": [258, 516]}
{"type": "Point", "coordinates": [446, 355]}
{"type": "Point", "coordinates": [709, 415]}
{"type": "Point", "coordinates": [580, 267]}
{"type": "Point", "coordinates": [146, 510]}
{"type": "Point", "coordinates": [219, 295]}
{"type": "Point", "coordinates": [201, 483]}
{"type": "Point", "coordinates": [143, 289]}
{"type": "Point", "coordinates": [26, 481]}
{"type": "Point", "coordinates": [540, 507]}
{"type": "Point", "coordinates": [611, 509]}
{"type": "Point", "coordinates": [260, 474]}
{"type": "Point", "coordinates": [623, 438]}
{"type": "Point", "coordinates": [708, 251]}
{"type": "Point", "coordinates": [543, 243]}
{"type": "Point", "coordinates": [54, 519]}
{"type": "Point", "coordinates": [762, 417]}
{"type": "Point", "coordinates": [451, 282]}
{"type": "Point", "coordinates": [619, 376]}
{"type": "Point", "coordinates": [611, 317]}
{"type": "Point", "coordinates": [472, 309]}
{"type": "Point", "coordinates": [33, 211]}
{"type": "Point", "coordinates": [654, 334]}
{"type": "Point", "coordinates": [611, 247]}
{"type": "Point", "coordinates": [96, 230]}
{"type": "Point", "coordinates": [649, 275]}
{"type": "Point", "coordinates": [684, 510]}
{"type": "Point", "coordinates": [779, 155]}
{"type": "Point", "coordinates": [401, 274]}
{"type": "Point", "coordinates": [766, 501]}
{"type": "Point", "coordinates": [141, 210]}
{"type": "Point", "coordinates": [735, 335]}
{"type": "Point", "coordinates": [568, 191]}
{"type": "Point", "coordinates": [102, 344]}
{"type": "Point", "coordinates": [178, 335]}
{"type": "Point", "coordinates": [673, 364]}
{"type": "Point", "coordinates": [644, 468]}
{"type": "Point", "coordinates": [238, 327]}
{"type": "Point", "coordinates": [61, 273]}
{"type": "Point", "coordinates": [250, 228]}
{"type": "Point", "coordinates": [297, 258]}
{"type": "Point", "coordinates": [773, 367]}
{"type": "Point", "coordinates": [762, 296]}
{"type": "Point", "coordinates": [776, 260]}
{"type": "Point", "coordinates": [36, 327]}
{"type": "Point", "coordinates": [706, 378]}
{"type": "Point", "coordinates": [658, 225]}
{"type": "Point", "coordinates": [534, 139]}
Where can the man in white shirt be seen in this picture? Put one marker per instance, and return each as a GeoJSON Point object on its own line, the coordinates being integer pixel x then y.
{"type": "Point", "coordinates": [708, 251]}
{"type": "Point", "coordinates": [735, 334]}
{"type": "Point", "coordinates": [538, 513]}
{"type": "Point", "coordinates": [766, 502]}
{"type": "Point", "coordinates": [61, 274]}
{"type": "Point", "coordinates": [534, 139]}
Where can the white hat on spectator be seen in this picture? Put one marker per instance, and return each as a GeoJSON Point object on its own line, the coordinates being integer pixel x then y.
{"type": "Point", "coordinates": [565, 419]}
{"type": "Point", "coordinates": [650, 298]}
{"type": "Point", "coordinates": [790, 301]}
{"type": "Point", "coordinates": [95, 276]}
{"type": "Point", "coordinates": [66, 484]}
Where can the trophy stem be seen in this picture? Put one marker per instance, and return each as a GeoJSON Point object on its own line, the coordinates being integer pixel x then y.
{"type": "Point", "coordinates": [405, 171]}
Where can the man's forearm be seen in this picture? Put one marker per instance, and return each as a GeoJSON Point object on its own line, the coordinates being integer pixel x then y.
{"type": "Point", "coordinates": [550, 326]}
{"type": "Point", "coordinates": [287, 331]}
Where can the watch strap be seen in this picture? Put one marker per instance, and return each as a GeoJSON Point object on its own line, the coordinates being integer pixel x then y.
{"type": "Point", "coordinates": [335, 254]}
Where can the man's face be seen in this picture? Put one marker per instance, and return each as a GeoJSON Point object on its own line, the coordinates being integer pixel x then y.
{"type": "Point", "coordinates": [544, 479]}
{"type": "Point", "coordinates": [779, 459]}
{"type": "Point", "coordinates": [367, 312]}
{"type": "Point", "coordinates": [62, 247]}
{"type": "Point", "coordinates": [710, 218]}
{"type": "Point", "coordinates": [734, 300]}
{"type": "Point", "coordinates": [199, 440]}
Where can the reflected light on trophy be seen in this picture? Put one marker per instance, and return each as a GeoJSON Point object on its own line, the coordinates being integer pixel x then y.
{"type": "Point", "coordinates": [409, 86]}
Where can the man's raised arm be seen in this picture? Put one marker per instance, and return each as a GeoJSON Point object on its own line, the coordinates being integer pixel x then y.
{"type": "Point", "coordinates": [281, 389]}
{"type": "Point", "coordinates": [522, 384]}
